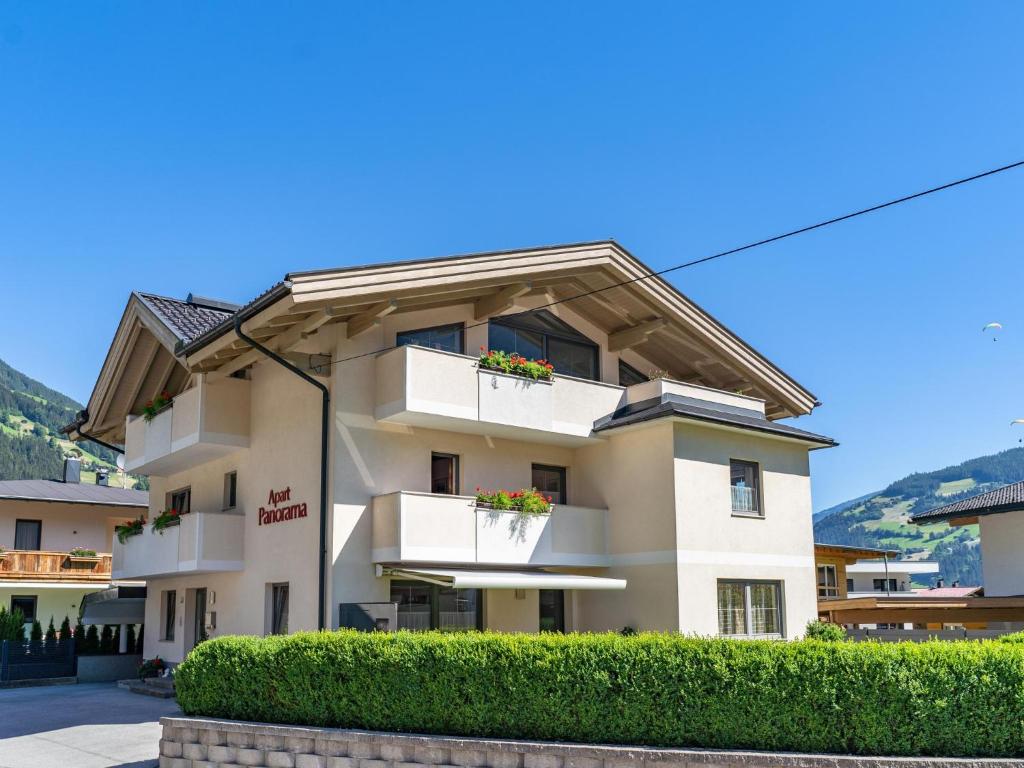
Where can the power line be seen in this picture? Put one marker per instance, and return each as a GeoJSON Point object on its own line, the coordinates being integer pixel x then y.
{"type": "Point", "coordinates": [740, 249]}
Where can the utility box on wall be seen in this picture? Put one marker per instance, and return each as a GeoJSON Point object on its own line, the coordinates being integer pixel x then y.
{"type": "Point", "coordinates": [368, 617]}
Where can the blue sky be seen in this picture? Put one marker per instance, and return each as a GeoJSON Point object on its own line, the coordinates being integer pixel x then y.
{"type": "Point", "coordinates": [211, 147]}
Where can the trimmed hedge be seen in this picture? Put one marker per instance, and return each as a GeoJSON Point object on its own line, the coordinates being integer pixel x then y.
{"type": "Point", "coordinates": [956, 699]}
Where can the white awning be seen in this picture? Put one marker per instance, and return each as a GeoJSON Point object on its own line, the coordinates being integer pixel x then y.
{"type": "Point", "coordinates": [506, 579]}
{"type": "Point", "coordinates": [108, 607]}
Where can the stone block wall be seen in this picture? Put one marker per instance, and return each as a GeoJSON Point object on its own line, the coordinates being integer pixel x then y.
{"type": "Point", "coordinates": [206, 743]}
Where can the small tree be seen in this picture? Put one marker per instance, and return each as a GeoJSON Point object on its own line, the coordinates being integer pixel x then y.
{"type": "Point", "coordinates": [824, 630]}
{"type": "Point", "coordinates": [79, 635]}
{"type": "Point", "coordinates": [12, 625]}
{"type": "Point", "coordinates": [106, 639]}
{"type": "Point", "coordinates": [51, 634]}
{"type": "Point", "coordinates": [139, 645]}
{"type": "Point", "coordinates": [92, 640]}
{"type": "Point", "coordinates": [115, 641]}
{"type": "Point", "coordinates": [132, 642]}
{"type": "Point", "coordinates": [36, 635]}
{"type": "Point", "coordinates": [65, 630]}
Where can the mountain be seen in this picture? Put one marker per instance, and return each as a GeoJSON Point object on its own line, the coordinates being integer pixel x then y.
{"type": "Point", "coordinates": [881, 519]}
{"type": "Point", "coordinates": [31, 445]}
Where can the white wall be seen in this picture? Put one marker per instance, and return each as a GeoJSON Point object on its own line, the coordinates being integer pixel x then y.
{"type": "Point", "coordinates": [1002, 545]}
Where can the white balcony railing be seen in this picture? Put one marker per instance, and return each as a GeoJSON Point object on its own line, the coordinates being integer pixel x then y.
{"type": "Point", "coordinates": [744, 499]}
{"type": "Point", "coordinates": [203, 423]}
{"type": "Point", "coordinates": [411, 527]}
{"type": "Point", "coordinates": [203, 542]}
{"type": "Point", "coordinates": [427, 387]}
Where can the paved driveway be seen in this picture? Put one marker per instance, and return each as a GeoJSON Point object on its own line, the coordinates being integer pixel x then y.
{"type": "Point", "coordinates": [96, 725]}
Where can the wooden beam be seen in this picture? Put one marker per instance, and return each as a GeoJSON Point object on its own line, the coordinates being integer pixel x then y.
{"type": "Point", "coordinates": [366, 320]}
{"type": "Point", "coordinates": [503, 299]}
{"type": "Point", "coordinates": [630, 337]}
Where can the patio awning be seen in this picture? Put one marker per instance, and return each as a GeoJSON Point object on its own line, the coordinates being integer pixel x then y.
{"type": "Point", "coordinates": [505, 579]}
{"type": "Point", "coordinates": [117, 605]}
{"type": "Point", "coordinates": [915, 608]}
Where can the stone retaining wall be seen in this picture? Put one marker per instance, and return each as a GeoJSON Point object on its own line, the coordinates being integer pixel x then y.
{"type": "Point", "coordinates": [203, 743]}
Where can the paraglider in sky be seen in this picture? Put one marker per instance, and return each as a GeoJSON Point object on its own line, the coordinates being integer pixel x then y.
{"type": "Point", "coordinates": [994, 327]}
{"type": "Point", "coordinates": [1014, 423]}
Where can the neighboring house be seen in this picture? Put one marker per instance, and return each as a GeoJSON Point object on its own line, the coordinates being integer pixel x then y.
{"type": "Point", "coordinates": [893, 577]}
{"type": "Point", "coordinates": [680, 503]}
{"type": "Point", "coordinates": [42, 522]}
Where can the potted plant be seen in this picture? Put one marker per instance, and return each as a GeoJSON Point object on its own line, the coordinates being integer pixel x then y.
{"type": "Point", "coordinates": [151, 667]}
{"type": "Point", "coordinates": [525, 504]}
{"type": "Point", "coordinates": [157, 404]}
{"type": "Point", "coordinates": [127, 530]}
{"type": "Point", "coordinates": [166, 519]}
{"type": "Point", "coordinates": [515, 364]}
{"type": "Point", "coordinates": [82, 555]}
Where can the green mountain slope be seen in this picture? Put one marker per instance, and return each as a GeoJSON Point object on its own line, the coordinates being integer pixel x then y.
{"type": "Point", "coordinates": [881, 520]}
{"type": "Point", "coordinates": [31, 445]}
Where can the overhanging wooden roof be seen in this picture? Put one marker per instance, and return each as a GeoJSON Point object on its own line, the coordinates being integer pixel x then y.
{"type": "Point", "coordinates": [852, 554]}
{"type": "Point", "coordinates": [912, 608]}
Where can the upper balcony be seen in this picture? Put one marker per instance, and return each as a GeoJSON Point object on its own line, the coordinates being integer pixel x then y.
{"type": "Point", "coordinates": [202, 542]}
{"type": "Point", "coordinates": [34, 565]}
{"type": "Point", "coordinates": [202, 423]}
{"type": "Point", "coordinates": [412, 527]}
{"type": "Point", "coordinates": [430, 388]}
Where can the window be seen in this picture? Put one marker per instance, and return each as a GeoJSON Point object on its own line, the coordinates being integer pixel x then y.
{"type": "Point", "coordinates": [26, 604]}
{"type": "Point", "coordinates": [849, 586]}
{"type": "Point", "coordinates": [169, 607]}
{"type": "Point", "coordinates": [552, 610]}
{"type": "Point", "coordinates": [828, 581]}
{"type": "Point", "coordinates": [628, 375]}
{"type": "Point", "coordinates": [230, 490]}
{"type": "Point", "coordinates": [430, 606]}
{"type": "Point", "coordinates": [550, 481]}
{"type": "Point", "coordinates": [448, 338]}
{"type": "Point", "coordinates": [28, 534]}
{"type": "Point", "coordinates": [444, 473]}
{"type": "Point", "coordinates": [180, 500]}
{"type": "Point", "coordinates": [879, 585]}
{"type": "Point", "coordinates": [744, 477]}
{"type": "Point", "coordinates": [749, 608]}
{"type": "Point", "coordinates": [279, 609]}
{"type": "Point", "coordinates": [541, 335]}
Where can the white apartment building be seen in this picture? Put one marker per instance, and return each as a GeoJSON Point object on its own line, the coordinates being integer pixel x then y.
{"type": "Point", "coordinates": [324, 444]}
{"type": "Point", "coordinates": [867, 578]}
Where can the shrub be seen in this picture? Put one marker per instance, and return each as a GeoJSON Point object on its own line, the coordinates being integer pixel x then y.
{"type": "Point", "coordinates": [131, 646]}
{"type": "Point", "coordinates": [12, 625]}
{"type": "Point", "coordinates": [106, 640]}
{"type": "Point", "coordinates": [92, 640]}
{"type": "Point", "coordinates": [140, 641]}
{"type": "Point", "coordinates": [65, 629]}
{"type": "Point", "coordinates": [824, 630]}
{"type": "Point", "coordinates": [650, 689]}
{"type": "Point", "coordinates": [1016, 637]}
{"type": "Point", "coordinates": [51, 634]}
{"type": "Point", "coordinates": [151, 667]}
{"type": "Point", "coordinates": [35, 635]}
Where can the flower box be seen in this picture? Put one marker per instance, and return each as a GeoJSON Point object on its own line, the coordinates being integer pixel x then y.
{"type": "Point", "coordinates": [515, 365]}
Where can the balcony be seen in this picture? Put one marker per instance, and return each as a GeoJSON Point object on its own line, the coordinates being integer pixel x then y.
{"type": "Point", "coordinates": [429, 388]}
{"type": "Point", "coordinates": [203, 542]}
{"type": "Point", "coordinates": [410, 527]}
{"type": "Point", "coordinates": [202, 423]}
{"type": "Point", "coordinates": [34, 565]}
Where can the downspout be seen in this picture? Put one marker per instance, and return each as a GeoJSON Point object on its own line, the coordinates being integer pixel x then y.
{"type": "Point", "coordinates": [83, 418]}
{"type": "Point", "coordinates": [885, 559]}
{"type": "Point", "coordinates": [324, 435]}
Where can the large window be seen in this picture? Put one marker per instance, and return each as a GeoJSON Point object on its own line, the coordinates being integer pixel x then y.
{"type": "Point", "coordinates": [279, 609]}
{"type": "Point", "coordinates": [448, 338]}
{"type": "Point", "coordinates": [550, 481]}
{"type": "Point", "coordinates": [744, 480]}
{"type": "Point", "coordinates": [169, 610]}
{"type": "Point", "coordinates": [749, 608]}
{"type": "Point", "coordinates": [539, 335]}
{"type": "Point", "coordinates": [26, 604]}
{"type": "Point", "coordinates": [444, 473]}
{"type": "Point", "coordinates": [552, 610]}
{"type": "Point", "coordinates": [430, 606]}
{"type": "Point", "coordinates": [884, 585]}
{"type": "Point", "coordinates": [828, 581]}
{"type": "Point", "coordinates": [28, 534]}
{"type": "Point", "coordinates": [628, 375]}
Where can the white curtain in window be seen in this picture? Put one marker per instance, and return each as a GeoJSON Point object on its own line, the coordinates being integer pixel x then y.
{"type": "Point", "coordinates": [732, 618]}
{"type": "Point", "coordinates": [764, 609]}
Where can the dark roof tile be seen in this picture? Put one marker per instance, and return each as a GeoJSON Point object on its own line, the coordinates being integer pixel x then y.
{"type": "Point", "coordinates": [187, 320]}
{"type": "Point", "coordinates": [76, 493]}
{"type": "Point", "coordinates": [1005, 499]}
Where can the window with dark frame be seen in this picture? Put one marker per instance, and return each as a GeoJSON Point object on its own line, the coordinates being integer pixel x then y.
{"type": "Point", "coordinates": [628, 375]}
{"type": "Point", "coordinates": [424, 606]}
{"type": "Point", "coordinates": [745, 482]}
{"type": "Point", "coordinates": [448, 338]}
{"type": "Point", "coordinates": [750, 608]}
{"type": "Point", "coordinates": [539, 335]}
{"type": "Point", "coordinates": [550, 481]}
{"type": "Point", "coordinates": [230, 490]}
{"type": "Point", "coordinates": [180, 500]}
{"type": "Point", "coordinates": [26, 604]}
{"type": "Point", "coordinates": [170, 610]}
{"type": "Point", "coordinates": [552, 610]}
{"type": "Point", "coordinates": [28, 534]}
{"type": "Point", "coordinates": [828, 581]}
{"type": "Point", "coordinates": [849, 586]}
{"type": "Point", "coordinates": [879, 585]}
{"type": "Point", "coordinates": [444, 473]}
{"type": "Point", "coordinates": [279, 609]}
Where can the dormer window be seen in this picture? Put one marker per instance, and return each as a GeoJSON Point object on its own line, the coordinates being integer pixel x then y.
{"type": "Point", "coordinates": [539, 335]}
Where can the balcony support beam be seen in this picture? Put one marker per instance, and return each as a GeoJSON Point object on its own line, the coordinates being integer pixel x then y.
{"type": "Point", "coordinates": [501, 300]}
{"type": "Point", "coordinates": [370, 318]}
{"type": "Point", "coordinates": [630, 337]}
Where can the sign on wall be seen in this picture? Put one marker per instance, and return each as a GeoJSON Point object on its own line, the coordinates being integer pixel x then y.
{"type": "Point", "coordinates": [279, 509]}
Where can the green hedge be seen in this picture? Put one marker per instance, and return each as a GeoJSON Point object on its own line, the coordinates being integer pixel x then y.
{"type": "Point", "coordinates": [957, 699]}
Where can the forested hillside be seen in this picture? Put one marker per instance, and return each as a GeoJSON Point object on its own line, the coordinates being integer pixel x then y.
{"type": "Point", "coordinates": [882, 519]}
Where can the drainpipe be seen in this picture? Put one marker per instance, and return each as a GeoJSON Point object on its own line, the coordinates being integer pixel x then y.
{"type": "Point", "coordinates": [83, 417]}
{"type": "Point", "coordinates": [885, 559]}
{"type": "Point", "coordinates": [324, 434]}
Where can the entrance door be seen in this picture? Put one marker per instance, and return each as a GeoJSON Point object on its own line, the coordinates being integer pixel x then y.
{"type": "Point", "coordinates": [199, 619]}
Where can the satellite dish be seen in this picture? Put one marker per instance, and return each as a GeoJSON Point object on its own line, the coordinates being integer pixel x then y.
{"type": "Point", "coordinates": [120, 462]}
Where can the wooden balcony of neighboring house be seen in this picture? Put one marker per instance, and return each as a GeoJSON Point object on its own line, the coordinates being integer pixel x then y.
{"type": "Point", "coordinates": [200, 542]}
{"type": "Point", "coordinates": [410, 527]}
{"type": "Point", "coordinates": [35, 565]}
{"type": "Point", "coordinates": [200, 424]}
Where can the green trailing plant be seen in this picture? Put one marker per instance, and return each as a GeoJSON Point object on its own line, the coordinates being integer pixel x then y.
{"type": "Point", "coordinates": [824, 630]}
{"type": "Point", "coordinates": [664, 690]}
{"type": "Point", "coordinates": [106, 645]}
{"type": "Point", "coordinates": [166, 519]}
{"type": "Point", "coordinates": [126, 530]}
{"type": "Point", "coordinates": [526, 504]}
{"type": "Point", "coordinates": [50, 638]}
{"type": "Point", "coordinates": [92, 640]}
{"type": "Point", "coordinates": [515, 364]}
{"type": "Point", "coordinates": [35, 635]}
{"type": "Point", "coordinates": [157, 404]}
{"type": "Point", "coordinates": [81, 552]}
{"type": "Point", "coordinates": [12, 625]}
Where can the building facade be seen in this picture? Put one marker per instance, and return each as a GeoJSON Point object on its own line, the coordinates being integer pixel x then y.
{"type": "Point", "coordinates": [55, 542]}
{"type": "Point", "coordinates": [679, 500]}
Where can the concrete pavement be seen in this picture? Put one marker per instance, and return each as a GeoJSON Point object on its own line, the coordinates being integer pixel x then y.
{"type": "Point", "coordinates": [95, 725]}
